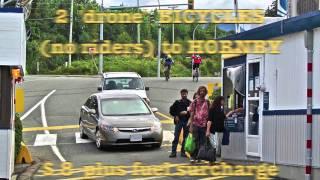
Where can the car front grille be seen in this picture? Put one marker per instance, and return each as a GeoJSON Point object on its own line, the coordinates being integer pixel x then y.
{"type": "Point", "coordinates": [134, 130]}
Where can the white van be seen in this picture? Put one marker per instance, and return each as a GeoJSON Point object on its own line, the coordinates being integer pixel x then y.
{"type": "Point", "coordinates": [126, 82]}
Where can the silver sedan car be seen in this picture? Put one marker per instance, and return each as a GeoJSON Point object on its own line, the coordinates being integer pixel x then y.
{"type": "Point", "coordinates": [119, 119]}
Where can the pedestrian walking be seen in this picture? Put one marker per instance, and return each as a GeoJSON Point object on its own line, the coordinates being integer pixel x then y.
{"type": "Point", "coordinates": [215, 124]}
{"type": "Point", "coordinates": [199, 109]}
{"type": "Point", "coordinates": [179, 111]}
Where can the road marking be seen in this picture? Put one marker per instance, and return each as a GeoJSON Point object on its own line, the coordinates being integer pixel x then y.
{"type": "Point", "coordinates": [165, 116]}
{"type": "Point", "coordinates": [213, 178]}
{"type": "Point", "coordinates": [45, 140]}
{"type": "Point", "coordinates": [80, 140]}
{"type": "Point", "coordinates": [50, 128]}
{"type": "Point", "coordinates": [56, 128]}
{"type": "Point", "coordinates": [45, 124]}
{"type": "Point", "coordinates": [155, 177]}
{"type": "Point", "coordinates": [168, 136]}
{"type": "Point", "coordinates": [35, 106]}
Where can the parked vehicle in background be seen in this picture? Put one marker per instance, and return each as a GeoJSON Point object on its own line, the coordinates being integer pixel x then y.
{"type": "Point", "coordinates": [130, 82]}
{"type": "Point", "coordinates": [104, 119]}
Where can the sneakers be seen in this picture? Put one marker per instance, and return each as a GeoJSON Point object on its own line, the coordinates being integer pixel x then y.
{"type": "Point", "coordinates": [173, 155]}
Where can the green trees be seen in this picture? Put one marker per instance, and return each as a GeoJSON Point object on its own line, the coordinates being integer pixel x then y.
{"type": "Point", "coordinates": [272, 10]}
{"type": "Point", "coordinates": [42, 27]}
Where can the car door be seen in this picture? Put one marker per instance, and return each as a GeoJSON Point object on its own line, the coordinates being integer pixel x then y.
{"type": "Point", "coordinates": [84, 114]}
{"type": "Point", "coordinates": [93, 118]}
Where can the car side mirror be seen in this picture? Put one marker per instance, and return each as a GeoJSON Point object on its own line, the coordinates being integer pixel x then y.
{"type": "Point", "coordinates": [99, 88]}
{"type": "Point", "coordinates": [147, 88]}
{"type": "Point", "coordinates": [92, 111]}
{"type": "Point", "coordinates": [154, 110]}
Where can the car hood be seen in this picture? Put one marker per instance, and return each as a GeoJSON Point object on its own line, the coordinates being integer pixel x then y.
{"type": "Point", "coordinates": [130, 121]}
{"type": "Point", "coordinates": [141, 93]}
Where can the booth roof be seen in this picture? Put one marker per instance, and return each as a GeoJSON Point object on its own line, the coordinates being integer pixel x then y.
{"type": "Point", "coordinates": [287, 26]}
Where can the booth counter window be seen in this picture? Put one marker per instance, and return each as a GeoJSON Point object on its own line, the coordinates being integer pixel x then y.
{"type": "Point", "coordinates": [254, 80]}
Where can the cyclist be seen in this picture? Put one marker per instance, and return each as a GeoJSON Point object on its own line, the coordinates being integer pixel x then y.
{"type": "Point", "coordinates": [168, 61]}
{"type": "Point", "coordinates": [196, 61]}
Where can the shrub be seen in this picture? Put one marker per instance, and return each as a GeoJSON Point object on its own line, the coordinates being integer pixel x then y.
{"type": "Point", "coordinates": [18, 135]}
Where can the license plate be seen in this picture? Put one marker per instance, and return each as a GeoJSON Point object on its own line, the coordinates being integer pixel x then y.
{"type": "Point", "coordinates": [136, 138]}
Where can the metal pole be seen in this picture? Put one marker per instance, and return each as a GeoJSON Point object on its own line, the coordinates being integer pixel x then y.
{"type": "Point", "coordinates": [193, 37]}
{"type": "Point", "coordinates": [159, 45]}
{"type": "Point", "coordinates": [308, 138]}
{"type": "Point", "coordinates": [38, 67]}
{"type": "Point", "coordinates": [215, 31]}
{"type": "Point", "coordinates": [70, 33]}
{"type": "Point", "coordinates": [101, 39]}
{"type": "Point", "coordinates": [173, 16]}
{"type": "Point", "coordinates": [138, 26]}
{"type": "Point", "coordinates": [194, 31]}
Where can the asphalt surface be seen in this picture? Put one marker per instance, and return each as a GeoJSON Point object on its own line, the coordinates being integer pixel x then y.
{"type": "Point", "coordinates": [60, 101]}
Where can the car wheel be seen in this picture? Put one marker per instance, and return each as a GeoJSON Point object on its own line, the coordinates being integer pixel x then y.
{"type": "Point", "coordinates": [99, 140]}
{"type": "Point", "coordinates": [82, 134]}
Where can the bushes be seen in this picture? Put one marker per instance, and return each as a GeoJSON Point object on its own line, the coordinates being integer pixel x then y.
{"type": "Point", "coordinates": [18, 135]}
{"type": "Point", "coordinates": [146, 67]}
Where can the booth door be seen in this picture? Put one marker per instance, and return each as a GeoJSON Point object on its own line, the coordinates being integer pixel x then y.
{"type": "Point", "coordinates": [253, 110]}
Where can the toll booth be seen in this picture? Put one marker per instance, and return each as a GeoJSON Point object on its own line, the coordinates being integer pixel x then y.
{"type": "Point", "coordinates": [12, 56]}
{"type": "Point", "coordinates": [275, 92]}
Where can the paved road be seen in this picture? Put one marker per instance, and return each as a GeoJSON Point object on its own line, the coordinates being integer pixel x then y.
{"type": "Point", "coordinates": [59, 100]}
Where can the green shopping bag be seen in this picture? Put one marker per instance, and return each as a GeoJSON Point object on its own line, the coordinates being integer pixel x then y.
{"type": "Point", "coordinates": [189, 145]}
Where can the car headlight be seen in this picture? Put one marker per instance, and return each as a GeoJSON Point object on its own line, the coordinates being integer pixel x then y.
{"type": "Point", "coordinates": [156, 126]}
{"type": "Point", "coordinates": [109, 128]}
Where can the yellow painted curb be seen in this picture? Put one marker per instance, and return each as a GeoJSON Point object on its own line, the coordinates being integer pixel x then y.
{"type": "Point", "coordinates": [24, 155]}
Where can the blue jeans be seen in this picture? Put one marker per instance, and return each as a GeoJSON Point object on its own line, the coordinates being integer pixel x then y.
{"type": "Point", "coordinates": [178, 127]}
{"type": "Point", "coordinates": [199, 134]}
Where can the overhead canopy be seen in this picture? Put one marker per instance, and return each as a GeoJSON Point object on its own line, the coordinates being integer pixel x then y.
{"type": "Point", "coordinates": [287, 26]}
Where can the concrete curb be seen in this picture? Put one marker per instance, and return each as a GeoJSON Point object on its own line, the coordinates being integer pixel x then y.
{"type": "Point", "coordinates": [26, 173]}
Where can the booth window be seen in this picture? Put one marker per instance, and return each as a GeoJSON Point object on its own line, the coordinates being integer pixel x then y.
{"type": "Point", "coordinates": [254, 79]}
{"type": "Point", "coordinates": [253, 117]}
{"type": "Point", "coordinates": [234, 87]}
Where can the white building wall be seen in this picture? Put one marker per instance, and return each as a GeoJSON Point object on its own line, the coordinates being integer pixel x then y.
{"type": "Point", "coordinates": [286, 74]}
{"type": "Point", "coordinates": [12, 39]}
{"type": "Point", "coordinates": [316, 69]}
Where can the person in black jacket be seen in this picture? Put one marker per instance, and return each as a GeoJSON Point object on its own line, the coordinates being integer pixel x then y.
{"type": "Point", "coordinates": [216, 120]}
{"type": "Point", "coordinates": [179, 111]}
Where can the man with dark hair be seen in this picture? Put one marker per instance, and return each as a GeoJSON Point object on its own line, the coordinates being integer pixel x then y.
{"type": "Point", "coordinates": [179, 111]}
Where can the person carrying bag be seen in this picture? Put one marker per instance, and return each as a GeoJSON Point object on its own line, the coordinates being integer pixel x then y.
{"type": "Point", "coordinates": [198, 120]}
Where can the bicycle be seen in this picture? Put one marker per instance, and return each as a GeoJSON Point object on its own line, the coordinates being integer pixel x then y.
{"type": "Point", "coordinates": [196, 73]}
{"type": "Point", "coordinates": [167, 72]}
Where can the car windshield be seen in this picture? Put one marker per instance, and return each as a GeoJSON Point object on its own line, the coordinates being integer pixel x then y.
{"type": "Point", "coordinates": [115, 107]}
{"type": "Point", "coordinates": [123, 83]}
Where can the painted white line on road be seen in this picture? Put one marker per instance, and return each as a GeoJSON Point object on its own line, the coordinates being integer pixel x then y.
{"type": "Point", "coordinates": [168, 136]}
{"type": "Point", "coordinates": [45, 124]}
{"type": "Point", "coordinates": [80, 140]}
{"type": "Point", "coordinates": [35, 106]}
{"type": "Point", "coordinates": [45, 140]}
